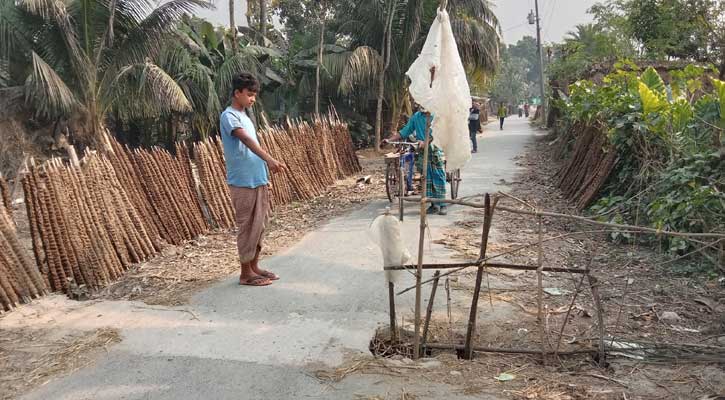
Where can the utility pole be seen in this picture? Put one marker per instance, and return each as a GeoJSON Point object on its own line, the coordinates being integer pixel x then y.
{"type": "Point", "coordinates": [540, 50]}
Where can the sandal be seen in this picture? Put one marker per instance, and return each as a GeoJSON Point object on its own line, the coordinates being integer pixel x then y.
{"type": "Point", "coordinates": [256, 281]}
{"type": "Point", "coordinates": [269, 275]}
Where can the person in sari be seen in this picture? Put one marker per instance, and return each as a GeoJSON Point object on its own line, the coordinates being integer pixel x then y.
{"type": "Point", "coordinates": [414, 131]}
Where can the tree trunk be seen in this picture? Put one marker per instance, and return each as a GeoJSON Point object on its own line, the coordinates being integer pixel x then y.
{"type": "Point", "coordinates": [385, 52]}
{"type": "Point", "coordinates": [262, 22]}
{"type": "Point", "coordinates": [232, 27]}
{"type": "Point", "coordinates": [319, 65]}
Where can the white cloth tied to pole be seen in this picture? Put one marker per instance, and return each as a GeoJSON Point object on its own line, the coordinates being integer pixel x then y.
{"type": "Point", "coordinates": [449, 97]}
{"type": "Point", "coordinates": [385, 233]}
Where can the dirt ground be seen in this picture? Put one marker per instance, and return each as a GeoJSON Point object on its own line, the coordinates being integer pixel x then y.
{"type": "Point", "coordinates": [32, 357]}
{"type": "Point", "coordinates": [677, 321]}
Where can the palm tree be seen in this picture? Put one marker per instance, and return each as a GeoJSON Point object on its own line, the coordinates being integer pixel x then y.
{"type": "Point", "coordinates": [80, 58]}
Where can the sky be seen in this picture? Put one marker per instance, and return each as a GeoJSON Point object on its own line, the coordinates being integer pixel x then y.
{"type": "Point", "coordinates": [558, 16]}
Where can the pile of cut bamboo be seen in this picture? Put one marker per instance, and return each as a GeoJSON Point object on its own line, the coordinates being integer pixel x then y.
{"type": "Point", "coordinates": [209, 159]}
{"type": "Point", "coordinates": [20, 279]}
{"type": "Point", "coordinates": [317, 154]}
{"type": "Point", "coordinates": [83, 227]}
{"type": "Point", "coordinates": [5, 192]}
{"type": "Point", "coordinates": [89, 222]}
{"type": "Point", "coordinates": [592, 161]}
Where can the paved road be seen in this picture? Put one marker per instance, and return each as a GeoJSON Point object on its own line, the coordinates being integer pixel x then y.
{"type": "Point", "coordinates": [262, 343]}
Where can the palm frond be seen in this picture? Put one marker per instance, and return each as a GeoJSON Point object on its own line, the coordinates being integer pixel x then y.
{"type": "Point", "coordinates": [146, 38]}
{"type": "Point", "coordinates": [46, 91]}
{"type": "Point", "coordinates": [146, 90]}
{"type": "Point", "coordinates": [233, 66]}
{"type": "Point", "coordinates": [361, 68]}
{"type": "Point", "coordinates": [15, 34]}
{"type": "Point", "coordinates": [478, 42]}
{"type": "Point", "coordinates": [12, 100]}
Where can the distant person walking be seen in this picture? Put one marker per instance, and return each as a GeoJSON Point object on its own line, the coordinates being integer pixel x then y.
{"type": "Point", "coordinates": [474, 124]}
{"type": "Point", "coordinates": [502, 114]}
{"type": "Point", "coordinates": [521, 110]}
{"type": "Point", "coordinates": [526, 110]}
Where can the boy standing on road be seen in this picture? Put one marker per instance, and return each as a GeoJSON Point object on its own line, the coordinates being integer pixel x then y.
{"type": "Point", "coordinates": [247, 164]}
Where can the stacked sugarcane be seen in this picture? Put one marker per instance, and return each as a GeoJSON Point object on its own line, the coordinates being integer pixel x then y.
{"type": "Point", "coordinates": [316, 153]}
{"type": "Point", "coordinates": [591, 162]}
{"type": "Point", "coordinates": [128, 174]}
{"type": "Point", "coordinates": [347, 162]}
{"type": "Point", "coordinates": [20, 280]}
{"type": "Point", "coordinates": [84, 229]}
{"type": "Point", "coordinates": [5, 192]}
{"type": "Point", "coordinates": [89, 222]}
{"type": "Point", "coordinates": [171, 192]}
{"type": "Point", "coordinates": [209, 161]}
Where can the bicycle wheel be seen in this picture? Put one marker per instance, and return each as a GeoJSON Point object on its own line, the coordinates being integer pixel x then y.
{"type": "Point", "coordinates": [391, 181]}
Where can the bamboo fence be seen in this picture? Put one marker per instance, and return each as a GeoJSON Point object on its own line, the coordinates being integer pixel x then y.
{"type": "Point", "coordinates": [92, 219]}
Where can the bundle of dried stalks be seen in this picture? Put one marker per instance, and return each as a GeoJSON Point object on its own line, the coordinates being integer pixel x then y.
{"type": "Point", "coordinates": [20, 280]}
{"type": "Point", "coordinates": [5, 192]}
{"type": "Point", "coordinates": [588, 167]}
{"type": "Point", "coordinates": [316, 153]}
{"type": "Point", "coordinates": [89, 222]}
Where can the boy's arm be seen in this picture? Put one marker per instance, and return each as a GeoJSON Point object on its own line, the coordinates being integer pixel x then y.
{"type": "Point", "coordinates": [274, 165]}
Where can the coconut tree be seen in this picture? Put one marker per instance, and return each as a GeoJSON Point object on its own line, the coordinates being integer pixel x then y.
{"type": "Point", "coordinates": [79, 59]}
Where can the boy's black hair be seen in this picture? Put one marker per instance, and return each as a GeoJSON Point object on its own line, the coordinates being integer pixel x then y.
{"type": "Point", "coordinates": [245, 80]}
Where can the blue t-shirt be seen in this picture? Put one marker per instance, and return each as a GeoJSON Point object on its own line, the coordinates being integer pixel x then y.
{"type": "Point", "coordinates": [244, 168]}
{"type": "Point", "coordinates": [416, 127]}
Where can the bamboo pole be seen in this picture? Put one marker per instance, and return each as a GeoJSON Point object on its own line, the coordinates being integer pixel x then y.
{"type": "Point", "coordinates": [421, 237]}
{"type": "Point", "coordinates": [429, 310]}
{"type": "Point", "coordinates": [594, 287]}
{"type": "Point", "coordinates": [391, 300]}
{"type": "Point", "coordinates": [447, 346]}
{"type": "Point", "coordinates": [471, 330]}
{"type": "Point", "coordinates": [486, 264]}
{"type": "Point", "coordinates": [540, 288]}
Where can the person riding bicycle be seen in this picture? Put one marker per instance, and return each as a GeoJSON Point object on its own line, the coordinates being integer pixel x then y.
{"type": "Point", "coordinates": [435, 188]}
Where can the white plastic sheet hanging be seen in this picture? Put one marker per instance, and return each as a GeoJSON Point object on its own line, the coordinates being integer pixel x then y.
{"type": "Point", "coordinates": [385, 233]}
{"type": "Point", "coordinates": [449, 97]}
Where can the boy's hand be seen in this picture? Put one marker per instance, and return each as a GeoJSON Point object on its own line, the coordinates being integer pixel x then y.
{"type": "Point", "coordinates": [421, 144]}
{"type": "Point", "coordinates": [276, 166]}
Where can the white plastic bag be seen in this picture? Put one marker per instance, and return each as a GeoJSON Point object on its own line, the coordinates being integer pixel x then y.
{"type": "Point", "coordinates": [385, 233]}
{"type": "Point", "coordinates": [449, 98]}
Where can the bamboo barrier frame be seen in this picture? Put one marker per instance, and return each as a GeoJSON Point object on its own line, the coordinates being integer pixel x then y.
{"type": "Point", "coordinates": [467, 348]}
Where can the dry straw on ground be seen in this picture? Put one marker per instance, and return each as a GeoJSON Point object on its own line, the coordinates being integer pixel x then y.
{"type": "Point", "coordinates": [41, 358]}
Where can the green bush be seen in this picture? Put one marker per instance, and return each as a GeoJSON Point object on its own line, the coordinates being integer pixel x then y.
{"type": "Point", "coordinates": [670, 172]}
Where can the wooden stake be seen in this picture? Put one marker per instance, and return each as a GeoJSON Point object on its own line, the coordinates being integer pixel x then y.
{"type": "Point", "coordinates": [429, 311]}
{"type": "Point", "coordinates": [391, 298]}
{"type": "Point", "coordinates": [594, 287]}
{"type": "Point", "coordinates": [471, 331]}
{"type": "Point", "coordinates": [540, 291]}
{"type": "Point", "coordinates": [421, 239]}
